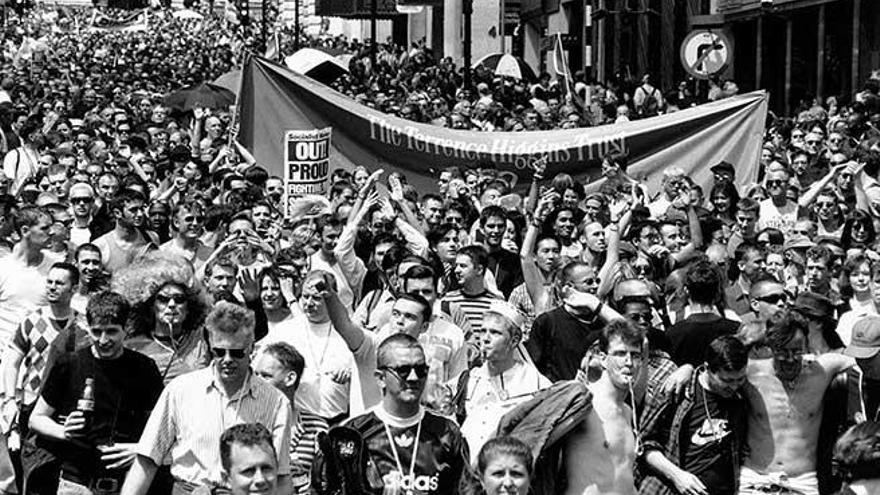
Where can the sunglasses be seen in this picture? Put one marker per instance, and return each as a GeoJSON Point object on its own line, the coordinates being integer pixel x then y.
{"type": "Point", "coordinates": [402, 372]}
{"type": "Point", "coordinates": [220, 353]}
{"type": "Point", "coordinates": [165, 298]}
{"type": "Point", "coordinates": [775, 183]}
{"type": "Point", "coordinates": [641, 317]}
{"type": "Point", "coordinates": [772, 298]}
{"type": "Point", "coordinates": [82, 199]}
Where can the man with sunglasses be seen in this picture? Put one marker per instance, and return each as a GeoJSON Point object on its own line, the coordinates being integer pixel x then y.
{"type": "Point", "coordinates": [778, 211]}
{"type": "Point", "coordinates": [196, 408]}
{"type": "Point", "coordinates": [414, 451]}
{"type": "Point", "coordinates": [188, 222]}
{"type": "Point", "coordinates": [82, 200]}
{"type": "Point", "coordinates": [95, 452]}
{"type": "Point", "coordinates": [767, 299]}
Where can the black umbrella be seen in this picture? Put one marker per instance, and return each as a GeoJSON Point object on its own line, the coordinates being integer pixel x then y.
{"type": "Point", "coordinates": [204, 95]}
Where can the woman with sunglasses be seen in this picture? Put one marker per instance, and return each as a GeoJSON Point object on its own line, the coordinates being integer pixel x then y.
{"type": "Point", "coordinates": [859, 280]}
{"type": "Point", "coordinates": [858, 232]}
{"type": "Point", "coordinates": [167, 313]}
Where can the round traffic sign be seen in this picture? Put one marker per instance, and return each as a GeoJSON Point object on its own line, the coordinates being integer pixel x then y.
{"type": "Point", "coordinates": [705, 53]}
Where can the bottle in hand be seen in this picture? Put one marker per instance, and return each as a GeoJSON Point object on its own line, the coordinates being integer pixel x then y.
{"type": "Point", "coordinates": [86, 403]}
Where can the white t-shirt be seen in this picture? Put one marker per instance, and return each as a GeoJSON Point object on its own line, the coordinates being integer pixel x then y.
{"type": "Point", "coordinates": [22, 289]}
{"type": "Point", "coordinates": [772, 216]}
{"type": "Point", "coordinates": [324, 352]}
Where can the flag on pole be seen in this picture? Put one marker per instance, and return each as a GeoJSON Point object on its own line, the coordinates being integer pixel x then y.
{"type": "Point", "coordinates": [273, 50]}
{"type": "Point", "coordinates": [560, 65]}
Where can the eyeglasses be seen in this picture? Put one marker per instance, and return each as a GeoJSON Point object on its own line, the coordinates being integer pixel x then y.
{"type": "Point", "coordinates": [772, 298]}
{"type": "Point", "coordinates": [82, 199]}
{"type": "Point", "coordinates": [402, 372]}
{"type": "Point", "coordinates": [165, 298]}
{"type": "Point", "coordinates": [193, 218]}
{"type": "Point", "coordinates": [221, 353]}
{"type": "Point", "coordinates": [775, 183]}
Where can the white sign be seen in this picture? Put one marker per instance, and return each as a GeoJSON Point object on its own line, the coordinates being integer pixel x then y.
{"type": "Point", "coordinates": [705, 53]}
{"type": "Point", "coordinates": [306, 164]}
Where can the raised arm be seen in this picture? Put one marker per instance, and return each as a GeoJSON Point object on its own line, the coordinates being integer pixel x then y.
{"type": "Point", "coordinates": [352, 334]}
{"type": "Point", "coordinates": [532, 276]}
{"type": "Point", "coordinates": [540, 167]}
{"type": "Point", "coordinates": [810, 195]}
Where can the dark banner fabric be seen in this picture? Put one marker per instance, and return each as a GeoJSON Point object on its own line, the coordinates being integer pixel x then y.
{"type": "Point", "coordinates": [273, 101]}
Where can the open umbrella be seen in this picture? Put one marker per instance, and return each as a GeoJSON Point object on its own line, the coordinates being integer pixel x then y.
{"type": "Point", "coordinates": [204, 95]}
{"type": "Point", "coordinates": [187, 14]}
{"type": "Point", "coordinates": [504, 64]}
{"type": "Point", "coordinates": [316, 64]}
{"type": "Point", "coordinates": [231, 80]}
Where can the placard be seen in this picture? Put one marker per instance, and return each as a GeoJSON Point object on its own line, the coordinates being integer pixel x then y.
{"type": "Point", "coordinates": [306, 164]}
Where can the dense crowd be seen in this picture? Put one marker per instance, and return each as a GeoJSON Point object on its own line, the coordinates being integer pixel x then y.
{"type": "Point", "coordinates": [165, 328]}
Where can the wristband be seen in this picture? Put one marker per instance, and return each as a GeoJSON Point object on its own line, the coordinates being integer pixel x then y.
{"type": "Point", "coordinates": [537, 177]}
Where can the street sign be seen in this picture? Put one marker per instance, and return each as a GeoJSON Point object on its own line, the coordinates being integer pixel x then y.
{"type": "Point", "coordinates": [705, 53]}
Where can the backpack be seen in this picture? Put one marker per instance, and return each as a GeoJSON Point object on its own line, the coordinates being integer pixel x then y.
{"type": "Point", "coordinates": [649, 107]}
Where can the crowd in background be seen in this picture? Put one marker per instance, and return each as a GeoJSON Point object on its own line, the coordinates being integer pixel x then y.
{"type": "Point", "coordinates": [167, 326]}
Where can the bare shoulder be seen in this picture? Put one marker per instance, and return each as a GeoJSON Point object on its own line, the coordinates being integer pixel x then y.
{"type": "Point", "coordinates": [834, 363]}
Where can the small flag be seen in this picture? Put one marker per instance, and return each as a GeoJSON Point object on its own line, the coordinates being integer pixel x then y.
{"type": "Point", "coordinates": [560, 64]}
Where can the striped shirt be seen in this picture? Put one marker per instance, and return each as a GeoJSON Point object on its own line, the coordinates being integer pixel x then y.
{"type": "Point", "coordinates": [192, 413]}
{"type": "Point", "coordinates": [473, 306]}
{"type": "Point", "coordinates": [304, 447]}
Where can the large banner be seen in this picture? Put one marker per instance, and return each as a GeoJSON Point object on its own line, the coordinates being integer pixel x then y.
{"type": "Point", "coordinates": [273, 100]}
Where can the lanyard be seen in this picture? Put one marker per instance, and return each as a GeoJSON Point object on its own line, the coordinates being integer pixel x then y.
{"type": "Point", "coordinates": [415, 453]}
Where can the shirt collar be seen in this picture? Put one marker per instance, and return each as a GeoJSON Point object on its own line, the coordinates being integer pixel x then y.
{"type": "Point", "coordinates": [214, 383]}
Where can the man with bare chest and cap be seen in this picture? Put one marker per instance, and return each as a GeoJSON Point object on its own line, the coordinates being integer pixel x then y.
{"type": "Point", "coordinates": [785, 393]}
{"type": "Point", "coordinates": [600, 453]}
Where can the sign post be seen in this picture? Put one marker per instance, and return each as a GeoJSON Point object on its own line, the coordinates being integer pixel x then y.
{"type": "Point", "coordinates": [306, 164]}
{"type": "Point", "coordinates": [705, 53]}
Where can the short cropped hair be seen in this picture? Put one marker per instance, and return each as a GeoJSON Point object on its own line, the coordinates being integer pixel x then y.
{"type": "Point", "coordinates": [477, 254]}
{"type": "Point", "coordinates": [247, 435]}
{"type": "Point", "coordinates": [231, 319]}
{"type": "Point", "coordinates": [785, 328]}
{"type": "Point", "coordinates": [504, 447]}
{"type": "Point", "coordinates": [222, 262]}
{"type": "Point", "coordinates": [703, 282]}
{"type": "Point", "coordinates": [394, 341]}
{"type": "Point", "coordinates": [421, 301]}
{"type": "Point", "coordinates": [86, 247]}
{"type": "Point", "coordinates": [69, 268]}
{"type": "Point", "coordinates": [625, 330]}
{"type": "Point", "coordinates": [107, 308]}
{"type": "Point", "coordinates": [727, 353]}
{"type": "Point", "coordinates": [289, 358]}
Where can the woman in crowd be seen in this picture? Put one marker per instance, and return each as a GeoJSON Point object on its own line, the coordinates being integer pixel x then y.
{"type": "Point", "coordinates": [167, 313]}
{"type": "Point", "coordinates": [504, 467]}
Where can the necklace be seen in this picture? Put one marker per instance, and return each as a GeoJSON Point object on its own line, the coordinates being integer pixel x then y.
{"type": "Point", "coordinates": [405, 443]}
{"type": "Point", "coordinates": [318, 362]}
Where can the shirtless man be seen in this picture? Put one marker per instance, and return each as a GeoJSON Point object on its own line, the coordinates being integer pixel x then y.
{"type": "Point", "coordinates": [785, 397]}
{"type": "Point", "coordinates": [601, 452]}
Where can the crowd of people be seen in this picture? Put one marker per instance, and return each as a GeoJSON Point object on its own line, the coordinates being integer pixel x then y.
{"type": "Point", "coordinates": [166, 328]}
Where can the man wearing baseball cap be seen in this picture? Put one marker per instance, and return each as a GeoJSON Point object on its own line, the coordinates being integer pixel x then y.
{"type": "Point", "coordinates": [863, 383]}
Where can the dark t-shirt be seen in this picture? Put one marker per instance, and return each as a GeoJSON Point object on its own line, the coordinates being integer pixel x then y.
{"type": "Point", "coordinates": [440, 461]}
{"type": "Point", "coordinates": [707, 441]}
{"type": "Point", "coordinates": [507, 270]}
{"type": "Point", "coordinates": [559, 341]}
{"type": "Point", "coordinates": [691, 337]}
{"type": "Point", "coordinates": [126, 389]}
